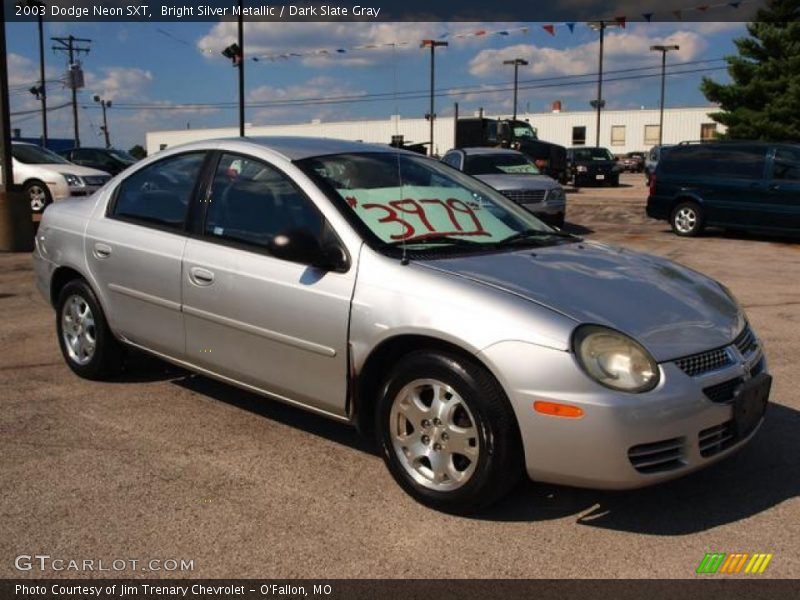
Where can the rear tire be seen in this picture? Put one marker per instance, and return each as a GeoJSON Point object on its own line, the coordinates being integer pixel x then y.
{"type": "Point", "coordinates": [687, 219]}
{"type": "Point", "coordinates": [87, 344]}
{"type": "Point", "coordinates": [447, 432]}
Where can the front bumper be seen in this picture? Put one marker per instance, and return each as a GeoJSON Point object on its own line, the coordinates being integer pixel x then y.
{"type": "Point", "coordinates": [622, 440]}
{"type": "Point", "coordinates": [83, 190]}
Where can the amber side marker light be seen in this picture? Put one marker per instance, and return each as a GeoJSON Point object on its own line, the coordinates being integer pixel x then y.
{"type": "Point", "coordinates": [554, 409]}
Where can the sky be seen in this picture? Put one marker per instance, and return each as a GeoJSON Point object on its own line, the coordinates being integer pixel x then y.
{"type": "Point", "coordinates": [148, 70]}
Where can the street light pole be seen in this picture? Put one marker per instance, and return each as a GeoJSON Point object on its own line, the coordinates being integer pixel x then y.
{"type": "Point", "coordinates": [104, 104]}
{"type": "Point", "coordinates": [235, 52]}
{"type": "Point", "coordinates": [663, 50]}
{"type": "Point", "coordinates": [517, 62]}
{"type": "Point", "coordinates": [432, 44]}
{"type": "Point", "coordinates": [601, 27]}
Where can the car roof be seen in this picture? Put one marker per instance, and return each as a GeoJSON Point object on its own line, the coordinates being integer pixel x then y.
{"type": "Point", "coordinates": [298, 148]}
{"type": "Point", "coordinates": [473, 151]}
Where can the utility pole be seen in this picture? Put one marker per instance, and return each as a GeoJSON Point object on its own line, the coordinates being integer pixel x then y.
{"type": "Point", "coordinates": [16, 226]}
{"type": "Point", "coordinates": [104, 104]}
{"type": "Point", "coordinates": [663, 50]}
{"type": "Point", "coordinates": [41, 91]}
{"type": "Point", "coordinates": [70, 45]}
{"type": "Point", "coordinates": [517, 62]}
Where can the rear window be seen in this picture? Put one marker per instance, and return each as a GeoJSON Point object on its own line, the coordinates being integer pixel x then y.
{"type": "Point", "coordinates": [739, 162]}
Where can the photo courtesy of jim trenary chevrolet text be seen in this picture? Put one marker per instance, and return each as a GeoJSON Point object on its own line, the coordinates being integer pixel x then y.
{"type": "Point", "coordinates": [452, 299]}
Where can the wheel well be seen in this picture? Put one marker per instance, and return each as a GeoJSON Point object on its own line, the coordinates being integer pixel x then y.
{"type": "Point", "coordinates": [681, 199]}
{"type": "Point", "coordinates": [61, 277]}
{"type": "Point", "coordinates": [380, 362]}
{"type": "Point", "coordinates": [35, 180]}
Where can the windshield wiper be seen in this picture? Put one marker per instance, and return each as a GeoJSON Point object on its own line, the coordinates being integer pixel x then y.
{"type": "Point", "coordinates": [436, 239]}
{"type": "Point", "coordinates": [535, 234]}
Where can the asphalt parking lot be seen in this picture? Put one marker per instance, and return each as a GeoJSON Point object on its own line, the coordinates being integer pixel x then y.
{"type": "Point", "coordinates": [164, 465]}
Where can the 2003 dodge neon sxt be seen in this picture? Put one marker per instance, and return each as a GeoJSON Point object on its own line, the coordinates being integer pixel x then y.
{"type": "Point", "coordinates": [386, 289]}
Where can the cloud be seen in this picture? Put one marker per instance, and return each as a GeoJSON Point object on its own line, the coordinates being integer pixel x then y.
{"type": "Point", "coordinates": [264, 38]}
{"type": "Point", "coordinates": [316, 87]}
{"type": "Point", "coordinates": [119, 83]}
{"type": "Point", "coordinates": [621, 50]}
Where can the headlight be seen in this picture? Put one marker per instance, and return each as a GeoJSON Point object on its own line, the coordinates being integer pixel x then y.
{"type": "Point", "coordinates": [580, 169]}
{"type": "Point", "coordinates": [555, 195]}
{"type": "Point", "coordinates": [72, 180]}
{"type": "Point", "coordinates": [614, 360]}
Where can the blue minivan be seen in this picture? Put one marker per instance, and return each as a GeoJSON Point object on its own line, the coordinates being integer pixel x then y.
{"type": "Point", "coordinates": [734, 185]}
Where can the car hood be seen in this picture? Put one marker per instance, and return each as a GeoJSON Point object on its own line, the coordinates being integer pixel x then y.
{"type": "Point", "coordinates": [518, 182]}
{"type": "Point", "coordinates": [73, 170]}
{"type": "Point", "coordinates": [670, 309]}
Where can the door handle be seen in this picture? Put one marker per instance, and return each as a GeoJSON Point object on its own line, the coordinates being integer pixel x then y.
{"type": "Point", "coordinates": [773, 187]}
{"type": "Point", "coordinates": [201, 276]}
{"type": "Point", "coordinates": [102, 250]}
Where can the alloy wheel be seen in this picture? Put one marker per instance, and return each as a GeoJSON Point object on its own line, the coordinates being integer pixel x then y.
{"type": "Point", "coordinates": [78, 330]}
{"type": "Point", "coordinates": [434, 435]}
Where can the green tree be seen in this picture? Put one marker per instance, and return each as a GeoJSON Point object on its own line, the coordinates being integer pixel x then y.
{"type": "Point", "coordinates": [763, 100]}
{"type": "Point", "coordinates": [137, 152]}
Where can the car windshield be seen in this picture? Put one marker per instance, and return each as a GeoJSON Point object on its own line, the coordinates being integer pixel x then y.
{"type": "Point", "coordinates": [36, 155]}
{"type": "Point", "coordinates": [499, 164]}
{"type": "Point", "coordinates": [592, 154]}
{"type": "Point", "coordinates": [122, 156]}
{"type": "Point", "coordinates": [401, 200]}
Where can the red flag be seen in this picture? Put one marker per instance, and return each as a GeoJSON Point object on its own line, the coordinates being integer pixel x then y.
{"type": "Point", "coordinates": [480, 32]}
{"type": "Point", "coordinates": [621, 21]}
{"type": "Point", "coordinates": [549, 29]}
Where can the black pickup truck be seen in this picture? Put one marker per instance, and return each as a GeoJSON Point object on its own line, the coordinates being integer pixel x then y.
{"type": "Point", "coordinates": [518, 135]}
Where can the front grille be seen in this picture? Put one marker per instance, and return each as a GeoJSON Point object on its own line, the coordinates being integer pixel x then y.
{"type": "Point", "coordinates": [704, 362]}
{"type": "Point", "coordinates": [722, 392]}
{"type": "Point", "coordinates": [524, 196]}
{"type": "Point", "coordinates": [96, 179]}
{"type": "Point", "coordinates": [716, 439]}
{"type": "Point", "coordinates": [746, 341]}
{"type": "Point", "coordinates": [657, 457]}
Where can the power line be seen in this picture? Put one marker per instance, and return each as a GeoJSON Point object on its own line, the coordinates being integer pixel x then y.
{"type": "Point", "coordinates": [447, 92]}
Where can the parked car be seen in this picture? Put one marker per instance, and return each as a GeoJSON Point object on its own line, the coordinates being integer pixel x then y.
{"type": "Point", "coordinates": [632, 162]}
{"type": "Point", "coordinates": [515, 176]}
{"type": "Point", "coordinates": [387, 290]}
{"type": "Point", "coordinates": [111, 160]}
{"type": "Point", "coordinates": [592, 166]}
{"type": "Point", "coordinates": [46, 177]}
{"type": "Point", "coordinates": [653, 156]}
{"type": "Point", "coordinates": [736, 185]}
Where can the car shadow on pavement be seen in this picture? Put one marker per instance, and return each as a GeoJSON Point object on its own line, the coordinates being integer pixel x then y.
{"type": "Point", "coordinates": [762, 475]}
{"type": "Point", "coordinates": [275, 410]}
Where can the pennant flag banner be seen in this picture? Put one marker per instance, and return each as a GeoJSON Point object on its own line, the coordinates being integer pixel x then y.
{"type": "Point", "coordinates": [550, 28]}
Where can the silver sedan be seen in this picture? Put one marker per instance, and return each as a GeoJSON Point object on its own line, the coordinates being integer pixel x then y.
{"type": "Point", "coordinates": [514, 175]}
{"type": "Point", "coordinates": [387, 290]}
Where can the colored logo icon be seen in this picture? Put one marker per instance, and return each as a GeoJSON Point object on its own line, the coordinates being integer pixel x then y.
{"type": "Point", "coordinates": [742, 562]}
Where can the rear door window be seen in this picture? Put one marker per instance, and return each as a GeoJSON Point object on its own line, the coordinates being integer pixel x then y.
{"type": "Point", "coordinates": [735, 162]}
{"type": "Point", "coordinates": [787, 164]}
{"type": "Point", "coordinates": [159, 194]}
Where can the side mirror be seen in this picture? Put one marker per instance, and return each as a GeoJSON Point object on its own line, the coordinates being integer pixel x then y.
{"type": "Point", "coordinates": [302, 246]}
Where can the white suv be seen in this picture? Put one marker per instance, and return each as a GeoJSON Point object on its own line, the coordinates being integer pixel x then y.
{"type": "Point", "coordinates": [47, 177]}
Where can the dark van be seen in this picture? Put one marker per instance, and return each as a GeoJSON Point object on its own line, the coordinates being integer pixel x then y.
{"type": "Point", "coordinates": [735, 185]}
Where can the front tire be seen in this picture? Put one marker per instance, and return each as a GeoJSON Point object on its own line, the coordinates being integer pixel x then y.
{"type": "Point", "coordinates": [38, 195]}
{"type": "Point", "coordinates": [87, 344]}
{"type": "Point", "coordinates": [687, 219]}
{"type": "Point", "coordinates": [447, 432]}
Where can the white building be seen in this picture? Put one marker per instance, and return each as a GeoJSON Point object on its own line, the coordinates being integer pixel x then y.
{"type": "Point", "coordinates": [620, 130]}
